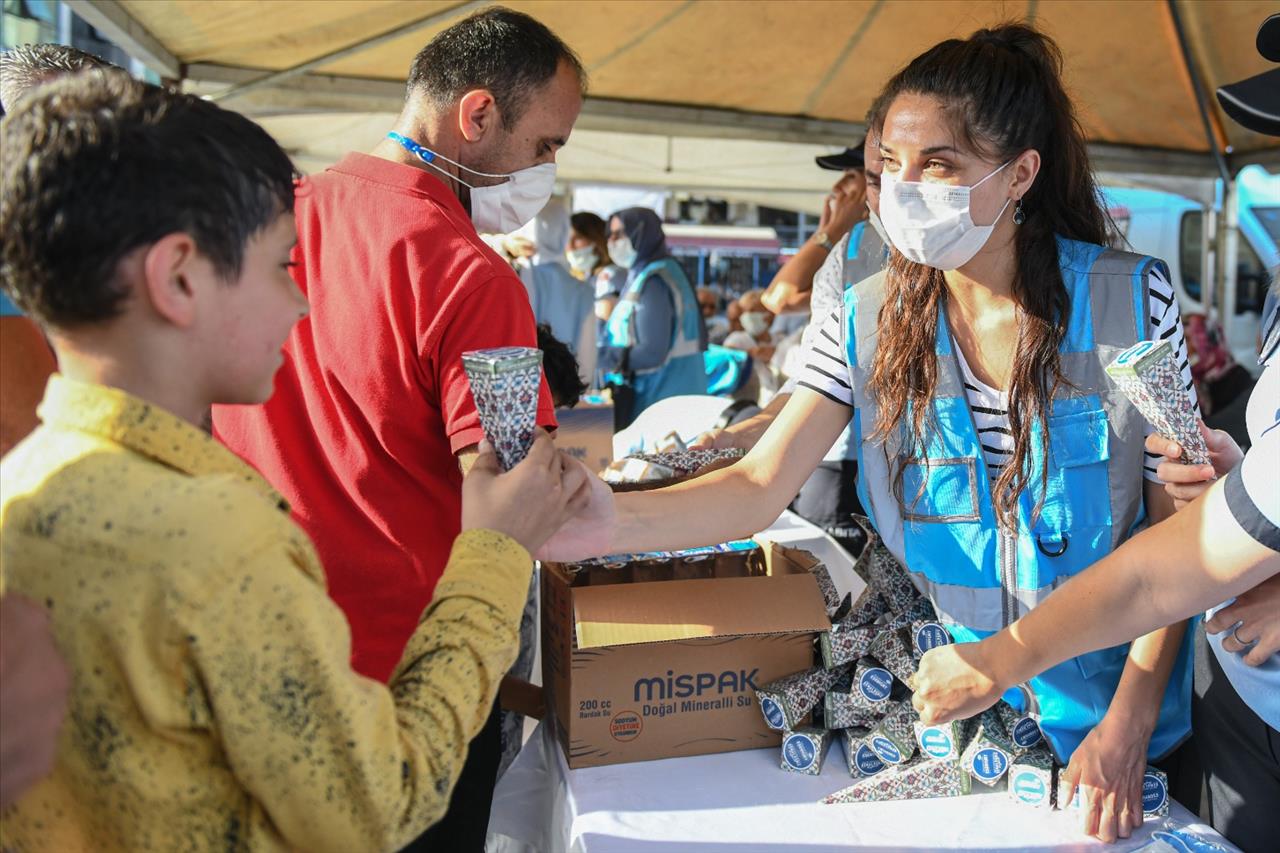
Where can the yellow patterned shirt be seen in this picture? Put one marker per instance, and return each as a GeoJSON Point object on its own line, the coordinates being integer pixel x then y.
{"type": "Point", "coordinates": [213, 707]}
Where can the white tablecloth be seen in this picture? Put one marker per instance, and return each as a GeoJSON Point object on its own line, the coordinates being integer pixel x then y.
{"type": "Point", "coordinates": [743, 802]}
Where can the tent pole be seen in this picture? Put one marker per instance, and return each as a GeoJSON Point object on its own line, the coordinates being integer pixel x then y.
{"type": "Point", "coordinates": [343, 52]}
{"type": "Point", "coordinates": [1197, 86]}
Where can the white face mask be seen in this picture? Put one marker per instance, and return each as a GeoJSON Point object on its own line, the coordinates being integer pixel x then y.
{"type": "Point", "coordinates": [582, 261]}
{"type": "Point", "coordinates": [931, 223]}
{"type": "Point", "coordinates": [622, 252]}
{"type": "Point", "coordinates": [756, 323]}
{"type": "Point", "coordinates": [874, 219]}
{"type": "Point", "coordinates": [501, 208]}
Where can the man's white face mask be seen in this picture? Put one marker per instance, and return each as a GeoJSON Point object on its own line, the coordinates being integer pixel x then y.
{"type": "Point", "coordinates": [501, 208]}
{"type": "Point", "coordinates": [931, 223]}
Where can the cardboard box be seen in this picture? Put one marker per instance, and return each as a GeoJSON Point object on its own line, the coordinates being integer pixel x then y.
{"type": "Point", "coordinates": [637, 671]}
{"type": "Point", "coordinates": [586, 433]}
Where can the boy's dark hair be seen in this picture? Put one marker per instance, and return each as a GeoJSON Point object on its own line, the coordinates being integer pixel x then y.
{"type": "Point", "coordinates": [97, 165]}
{"type": "Point", "coordinates": [24, 67]}
{"type": "Point", "coordinates": [504, 52]}
{"type": "Point", "coordinates": [560, 368]}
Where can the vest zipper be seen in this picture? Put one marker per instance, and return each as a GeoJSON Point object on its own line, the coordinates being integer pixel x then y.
{"type": "Point", "coordinates": [1008, 555]}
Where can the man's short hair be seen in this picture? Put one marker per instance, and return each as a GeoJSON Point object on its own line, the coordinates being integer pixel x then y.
{"type": "Point", "coordinates": [560, 369]}
{"type": "Point", "coordinates": [506, 53]}
{"type": "Point", "coordinates": [24, 67]}
{"type": "Point", "coordinates": [97, 165]}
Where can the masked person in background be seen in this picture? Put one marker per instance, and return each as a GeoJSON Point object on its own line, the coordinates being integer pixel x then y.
{"type": "Point", "coordinates": [559, 300]}
{"type": "Point", "coordinates": [756, 321]}
{"type": "Point", "coordinates": [588, 254]}
{"type": "Point", "coordinates": [993, 457]}
{"type": "Point", "coordinates": [373, 420]}
{"type": "Point", "coordinates": [654, 340]}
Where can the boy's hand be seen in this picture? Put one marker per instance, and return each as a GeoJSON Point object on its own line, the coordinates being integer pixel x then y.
{"type": "Point", "coordinates": [33, 696]}
{"type": "Point", "coordinates": [1185, 483]}
{"type": "Point", "coordinates": [590, 532]}
{"type": "Point", "coordinates": [532, 500]}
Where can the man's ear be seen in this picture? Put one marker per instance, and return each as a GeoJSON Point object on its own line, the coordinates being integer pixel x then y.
{"type": "Point", "coordinates": [477, 113]}
{"type": "Point", "coordinates": [170, 268]}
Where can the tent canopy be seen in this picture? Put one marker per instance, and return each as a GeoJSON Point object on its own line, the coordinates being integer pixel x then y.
{"type": "Point", "coordinates": [694, 75]}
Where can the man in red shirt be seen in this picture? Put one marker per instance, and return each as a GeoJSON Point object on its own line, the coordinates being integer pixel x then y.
{"type": "Point", "coordinates": [372, 413]}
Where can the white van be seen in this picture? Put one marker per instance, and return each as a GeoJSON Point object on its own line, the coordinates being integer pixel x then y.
{"type": "Point", "coordinates": [1172, 227]}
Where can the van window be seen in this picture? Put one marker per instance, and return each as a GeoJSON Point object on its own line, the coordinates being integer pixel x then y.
{"type": "Point", "coordinates": [1191, 251]}
{"type": "Point", "coordinates": [1270, 219]}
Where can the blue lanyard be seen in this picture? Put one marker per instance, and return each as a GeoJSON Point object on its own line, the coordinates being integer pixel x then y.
{"type": "Point", "coordinates": [424, 154]}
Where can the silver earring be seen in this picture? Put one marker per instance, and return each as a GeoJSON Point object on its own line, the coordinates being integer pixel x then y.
{"type": "Point", "coordinates": [1019, 215]}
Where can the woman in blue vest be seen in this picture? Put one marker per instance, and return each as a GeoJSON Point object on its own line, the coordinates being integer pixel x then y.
{"type": "Point", "coordinates": [654, 339]}
{"type": "Point", "coordinates": [994, 457]}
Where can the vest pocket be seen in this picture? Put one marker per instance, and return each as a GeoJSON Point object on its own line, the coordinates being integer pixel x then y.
{"type": "Point", "coordinates": [1077, 496]}
{"type": "Point", "coordinates": [940, 490]}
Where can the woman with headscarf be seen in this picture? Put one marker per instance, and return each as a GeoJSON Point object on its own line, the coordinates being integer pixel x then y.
{"type": "Point", "coordinates": [653, 342]}
{"type": "Point", "coordinates": [559, 300]}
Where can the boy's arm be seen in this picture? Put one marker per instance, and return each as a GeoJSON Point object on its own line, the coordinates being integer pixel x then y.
{"type": "Point", "coordinates": [334, 760]}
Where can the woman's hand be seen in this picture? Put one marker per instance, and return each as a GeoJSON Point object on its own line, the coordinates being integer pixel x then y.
{"type": "Point", "coordinates": [1108, 768]}
{"type": "Point", "coordinates": [954, 682]}
{"type": "Point", "coordinates": [1184, 482]}
{"type": "Point", "coordinates": [589, 532]}
{"type": "Point", "coordinates": [531, 501]}
{"type": "Point", "coordinates": [1254, 622]}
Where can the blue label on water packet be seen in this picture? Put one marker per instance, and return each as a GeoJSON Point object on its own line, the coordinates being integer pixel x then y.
{"type": "Point", "coordinates": [773, 715]}
{"type": "Point", "coordinates": [1154, 793]}
{"type": "Point", "coordinates": [886, 750]}
{"type": "Point", "coordinates": [936, 741]}
{"type": "Point", "coordinates": [876, 684]}
{"type": "Point", "coordinates": [931, 635]}
{"type": "Point", "coordinates": [1029, 787]}
{"type": "Point", "coordinates": [989, 764]}
{"type": "Point", "coordinates": [1026, 733]}
{"type": "Point", "coordinates": [799, 752]}
{"type": "Point", "coordinates": [867, 762]}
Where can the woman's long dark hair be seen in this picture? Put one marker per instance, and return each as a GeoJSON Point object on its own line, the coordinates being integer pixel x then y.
{"type": "Point", "coordinates": [1002, 89]}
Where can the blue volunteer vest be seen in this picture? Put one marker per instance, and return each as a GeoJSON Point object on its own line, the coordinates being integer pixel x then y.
{"type": "Point", "coordinates": [982, 578]}
{"type": "Point", "coordinates": [683, 371]}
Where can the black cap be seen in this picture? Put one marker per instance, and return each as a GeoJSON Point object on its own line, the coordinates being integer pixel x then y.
{"type": "Point", "coordinates": [849, 158]}
{"type": "Point", "coordinates": [1255, 103]}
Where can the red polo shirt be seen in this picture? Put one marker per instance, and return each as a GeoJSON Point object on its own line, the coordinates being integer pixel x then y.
{"type": "Point", "coordinates": [372, 403]}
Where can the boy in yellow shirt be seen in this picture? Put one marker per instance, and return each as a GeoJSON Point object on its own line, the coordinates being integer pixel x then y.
{"type": "Point", "coordinates": [212, 705]}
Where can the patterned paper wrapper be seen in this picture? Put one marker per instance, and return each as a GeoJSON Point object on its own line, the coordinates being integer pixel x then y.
{"type": "Point", "coordinates": [1033, 780]}
{"type": "Point", "coordinates": [860, 757]}
{"type": "Point", "coordinates": [1155, 793]}
{"type": "Point", "coordinates": [917, 780]}
{"type": "Point", "coordinates": [686, 462]}
{"type": "Point", "coordinates": [841, 709]}
{"type": "Point", "coordinates": [927, 634]}
{"type": "Point", "coordinates": [845, 643]}
{"type": "Point", "coordinates": [1148, 375]}
{"type": "Point", "coordinates": [946, 742]}
{"type": "Point", "coordinates": [869, 607]}
{"type": "Point", "coordinates": [505, 383]}
{"type": "Point", "coordinates": [989, 754]}
{"type": "Point", "coordinates": [826, 586]}
{"type": "Point", "coordinates": [872, 687]}
{"type": "Point", "coordinates": [893, 650]}
{"type": "Point", "coordinates": [894, 737]}
{"type": "Point", "coordinates": [789, 700]}
{"type": "Point", "coordinates": [862, 565]}
{"type": "Point", "coordinates": [805, 749]}
{"type": "Point", "coordinates": [1021, 729]}
{"type": "Point", "coordinates": [891, 580]}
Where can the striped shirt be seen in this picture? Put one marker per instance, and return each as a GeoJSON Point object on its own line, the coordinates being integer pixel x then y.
{"type": "Point", "coordinates": [827, 372]}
